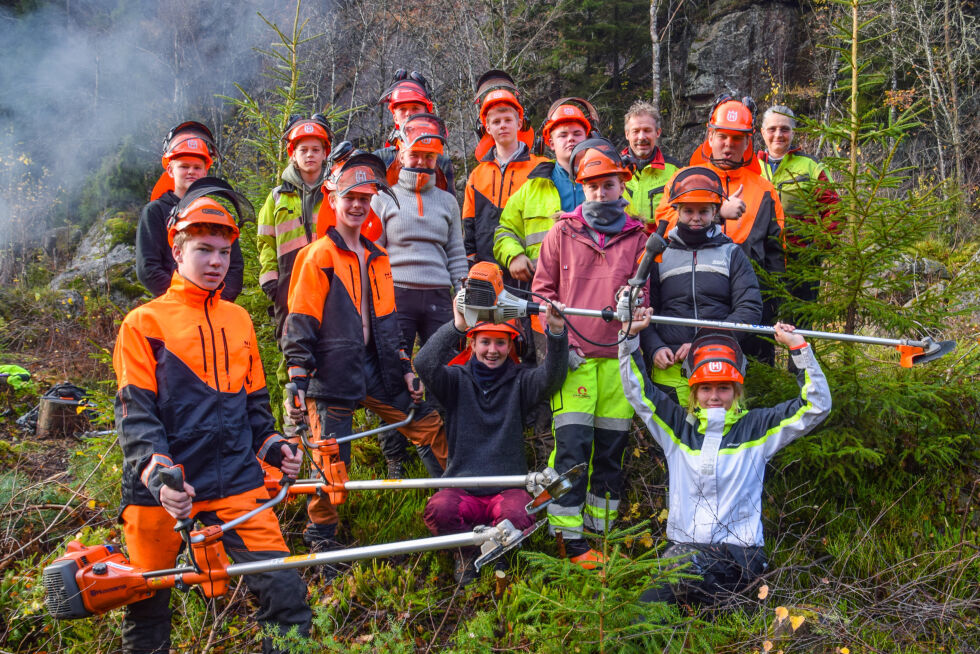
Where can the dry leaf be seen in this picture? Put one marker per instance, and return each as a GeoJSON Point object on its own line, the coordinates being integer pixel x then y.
{"type": "Point", "coordinates": [781, 613]}
{"type": "Point", "coordinates": [767, 646]}
{"type": "Point", "coordinates": [663, 515]}
{"type": "Point", "coordinates": [844, 650]}
{"type": "Point", "coordinates": [763, 592]}
{"type": "Point", "coordinates": [646, 540]}
{"type": "Point", "coordinates": [824, 580]}
{"type": "Point", "coordinates": [796, 621]}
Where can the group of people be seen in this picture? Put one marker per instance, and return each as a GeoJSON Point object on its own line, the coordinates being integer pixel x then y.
{"type": "Point", "coordinates": [362, 254]}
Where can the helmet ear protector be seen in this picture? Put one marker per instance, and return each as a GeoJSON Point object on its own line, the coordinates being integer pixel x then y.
{"type": "Point", "coordinates": [585, 107]}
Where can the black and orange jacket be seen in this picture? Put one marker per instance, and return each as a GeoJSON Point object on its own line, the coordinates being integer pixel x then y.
{"type": "Point", "coordinates": [323, 332]}
{"type": "Point", "coordinates": [191, 392]}
{"type": "Point", "coordinates": [487, 191]}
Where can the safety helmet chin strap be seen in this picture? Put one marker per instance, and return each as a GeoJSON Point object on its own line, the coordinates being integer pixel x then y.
{"type": "Point", "coordinates": [726, 164]}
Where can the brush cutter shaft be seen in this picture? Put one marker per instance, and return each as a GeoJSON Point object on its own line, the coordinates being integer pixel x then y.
{"type": "Point", "coordinates": [805, 333]}
{"type": "Point", "coordinates": [476, 538]}
{"type": "Point", "coordinates": [507, 481]}
{"type": "Point", "coordinates": [510, 481]}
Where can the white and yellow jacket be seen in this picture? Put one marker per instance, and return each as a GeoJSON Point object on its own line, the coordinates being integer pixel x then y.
{"type": "Point", "coordinates": [716, 459]}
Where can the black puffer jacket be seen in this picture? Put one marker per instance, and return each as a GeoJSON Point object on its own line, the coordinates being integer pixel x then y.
{"type": "Point", "coordinates": [713, 281]}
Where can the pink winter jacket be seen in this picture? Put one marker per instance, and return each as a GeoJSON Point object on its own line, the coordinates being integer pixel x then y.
{"type": "Point", "coordinates": [575, 270]}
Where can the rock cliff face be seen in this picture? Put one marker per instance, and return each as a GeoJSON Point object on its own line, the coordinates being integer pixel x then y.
{"type": "Point", "coordinates": [739, 47]}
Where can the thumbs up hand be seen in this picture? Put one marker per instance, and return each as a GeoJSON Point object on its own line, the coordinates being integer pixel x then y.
{"type": "Point", "coordinates": [734, 207]}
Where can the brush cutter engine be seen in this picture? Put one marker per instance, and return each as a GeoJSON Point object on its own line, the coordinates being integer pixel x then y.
{"type": "Point", "coordinates": [91, 580]}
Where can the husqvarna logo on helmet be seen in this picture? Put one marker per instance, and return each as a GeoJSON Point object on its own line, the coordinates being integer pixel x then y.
{"type": "Point", "coordinates": [308, 128]}
{"type": "Point", "coordinates": [192, 144]}
{"type": "Point", "coordinates": [568, 111]}
{"type": "Point", "coordinates": [732, 115]}
{"type": "Point", "coordinates": [360, 176]}
{"type": "Point", "coordinates": [714, 366]}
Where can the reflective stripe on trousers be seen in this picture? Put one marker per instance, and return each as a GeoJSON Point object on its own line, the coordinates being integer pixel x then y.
{"type": "Point", "coordinates": [592, 419]}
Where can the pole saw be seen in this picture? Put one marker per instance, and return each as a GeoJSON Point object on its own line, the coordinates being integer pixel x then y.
{"type": "Point", "coordinates": [88, 581]}
{"type": "Point", "coordinates": [484, 298]}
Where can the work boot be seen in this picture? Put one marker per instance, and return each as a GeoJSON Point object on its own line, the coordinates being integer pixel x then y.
{"type": "Point", "coordinates": [320, 538]}
{"type": "Point", "coordinates": [589, 560]}
{"type": "Point", "coordinates": [464, 570]}
{"type": "Point", "coordinates": [581, 554]}
{"type": "Point", "coordinates": [396, 469]}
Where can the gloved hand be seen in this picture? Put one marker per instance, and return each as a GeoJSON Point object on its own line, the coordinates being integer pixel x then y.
{"type": "Point", "coordinates": [270, 288]}
{"type": "Point", "coordinates": [575, 358]}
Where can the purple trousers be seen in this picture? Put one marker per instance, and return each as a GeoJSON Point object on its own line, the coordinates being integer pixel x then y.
{"type": "Point", "coordinates": [453, 510]}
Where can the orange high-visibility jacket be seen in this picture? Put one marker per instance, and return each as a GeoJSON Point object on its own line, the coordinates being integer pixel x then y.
{"type": "Point", "coordinates": [191, 392]}
{"type": "Point", "coordinates": [323, 332]}
{"type": "Point", "coordinates": [487, 191]}
{"type": "Point", "coordinates": [760, 229]}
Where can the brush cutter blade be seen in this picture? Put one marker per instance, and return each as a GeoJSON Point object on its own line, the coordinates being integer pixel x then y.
{"type": "Point", "coordinates": [555, 489]}
{"type": "Point", "coordinates": [924, 351]}
{"type": "Point", "coordinates": [493, 550]}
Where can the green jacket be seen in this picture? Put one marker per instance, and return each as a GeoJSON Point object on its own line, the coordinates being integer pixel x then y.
{"type": "Point", "coordinates": [647, 185]}
{"type": "Point", "coordinates": [796, 175]}
{"type": "Point", "coordinates": [527, 217]}
{"type": "Point", "coordinates": [283, 230]}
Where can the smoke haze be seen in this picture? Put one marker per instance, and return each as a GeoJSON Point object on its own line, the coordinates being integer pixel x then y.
{"type": "Point", "coordinates": [81, 76]}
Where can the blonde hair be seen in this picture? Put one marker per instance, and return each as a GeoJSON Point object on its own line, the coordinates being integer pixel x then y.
{"type": "Point", "coordinates": [692, 399]}
{"type": "Point", "coordinates": [641, 108]}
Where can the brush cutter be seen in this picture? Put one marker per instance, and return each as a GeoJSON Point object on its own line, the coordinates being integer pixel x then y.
{"type": "Point", "coordinates": [913, 352]}
{"type": "Point", "coordinates": [88, 581]}
{"type": "Point", "coordinates": [545, 486]}
{"type": "Point", "coordinates": [485, 299]}
{"type": "Point", "coordinates": [333, 482]}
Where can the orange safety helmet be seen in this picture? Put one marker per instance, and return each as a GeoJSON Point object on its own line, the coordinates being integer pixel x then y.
{"type": "Point", "coordinates": [714, 358]}
{"type": "Point", "coordinates": [197, 206]}
{"type": "Point", "coordinates": [493, 88]}
{"type": "Point", "coordinates": [201, 210]}
{"type": "Point", "coordinates": [597, 157]}
{"type": "Point", "coordinates": [507, 329]}
{"type": "Point", "coordinates": [353, 169]}
{"type": "Point", "coordinates": [301, 128]}
{"type": "Point", "coordinates": [696, 184]}
{"type": "Point", "coordinates": [568, 111]}
{"type": "Point", "coordinates": [189, 139]}
{"type": "Point", "coordinates": [730, 115]}
{"type": "Point", "coordinates": [424, 133]}
{"type": "Point", "coordinates": [408, 87]}
{"type": "Point", "coordinates": [498, 97]}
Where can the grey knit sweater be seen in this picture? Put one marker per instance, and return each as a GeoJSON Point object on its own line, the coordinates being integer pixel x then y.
{"type": "Point", "coordinates": [423, 236]}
